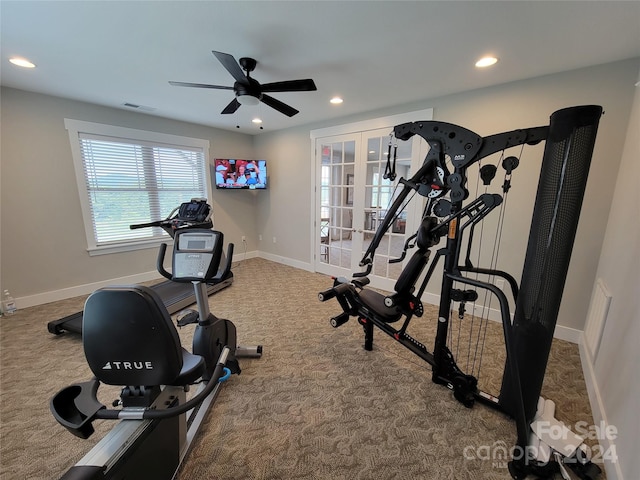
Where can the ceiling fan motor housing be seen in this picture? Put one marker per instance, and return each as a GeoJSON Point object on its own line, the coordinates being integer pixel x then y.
{"type": "Point", "coordinates": [252, 88]}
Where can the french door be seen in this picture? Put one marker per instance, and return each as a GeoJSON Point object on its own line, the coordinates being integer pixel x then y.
{"type": "Point", "coordinates": [352, 198]}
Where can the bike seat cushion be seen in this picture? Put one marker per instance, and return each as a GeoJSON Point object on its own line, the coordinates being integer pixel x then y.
{"type": "Point", "coordinates": [129, 339]}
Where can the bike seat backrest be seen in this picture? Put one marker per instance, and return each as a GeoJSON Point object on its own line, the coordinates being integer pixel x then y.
{"type": "Point", "coordinates": [425, 239]}
{"type": "Point", "coordinates": [129, 339]}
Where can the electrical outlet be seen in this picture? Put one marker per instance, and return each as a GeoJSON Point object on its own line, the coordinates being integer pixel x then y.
{"type": "Point", "coordinates": [274, 239]}
{"type": "Point", "coordinates": [260, 237]}
{"type": "Point", "coordinates": [244, 239]}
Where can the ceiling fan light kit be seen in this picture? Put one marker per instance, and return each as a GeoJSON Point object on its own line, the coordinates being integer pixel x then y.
{"type": "Point", "coordinates": [248, 90]}
{"type": "Point", "coordinates": [248, 100]}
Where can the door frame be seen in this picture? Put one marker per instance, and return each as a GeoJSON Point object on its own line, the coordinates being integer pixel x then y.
{"type": "Point", "coordinates": [350, 128]}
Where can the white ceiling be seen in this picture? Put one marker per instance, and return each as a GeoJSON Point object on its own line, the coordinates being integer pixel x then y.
{"type": "Point", "coordinates": [373, 53]}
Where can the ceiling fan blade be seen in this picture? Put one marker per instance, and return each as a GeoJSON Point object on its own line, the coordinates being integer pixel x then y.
{"type": "Point", "coordinates": [229, 62]}
{"type": "Point", "coordinates": [199, 85]}
{"type": "Point", "coordinates": [278, 105]}
{"type": "Point", "coordinates": [306, 85]}
{"type": "Point", "coordinates": [232, 107]}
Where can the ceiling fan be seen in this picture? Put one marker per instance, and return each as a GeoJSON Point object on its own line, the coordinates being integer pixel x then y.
{"type": "Point", "coordinates": [248, 90]}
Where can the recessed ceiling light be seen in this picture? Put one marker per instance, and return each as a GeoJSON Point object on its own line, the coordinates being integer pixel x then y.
{"type": "Point", "coordinates": [336, 100]}
{"type": "Point", "coordinates": [486, 62]}
{"type": "Point", "coordinates": [256, 120]}
{"type": "Point", "coordinates": [22, 62]}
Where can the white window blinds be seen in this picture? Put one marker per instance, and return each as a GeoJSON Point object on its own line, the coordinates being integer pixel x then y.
{"type": "Point", "coordinates": [126, 180]}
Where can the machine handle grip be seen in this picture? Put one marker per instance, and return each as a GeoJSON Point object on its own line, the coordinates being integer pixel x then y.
{"type": "Point", "coordinates": [160, 262]}
{"type": "Point", "coordinates": [158, 223]}
{"type": "Point", "coordinates": [366, 272]}
{"type": "Point", "coordinates": [172, 411]}
{"type": "Point", "coordinates": [227, 268]}
{"type": "Point", "coordinates": [341, 319]}
{"type": "Point", "coordinates": [218, 372]}
{"type": "Point", "coordinates": [334, 291]}
{"type": "Point", "coordinates": [327, 295]}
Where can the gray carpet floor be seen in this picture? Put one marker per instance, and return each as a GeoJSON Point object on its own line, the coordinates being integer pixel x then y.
{"type": "Point", "coordinates": [315, 406]}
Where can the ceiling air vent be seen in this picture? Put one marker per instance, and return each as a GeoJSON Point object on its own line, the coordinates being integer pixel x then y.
{"type": "Point", "coordinates": [135, 106]}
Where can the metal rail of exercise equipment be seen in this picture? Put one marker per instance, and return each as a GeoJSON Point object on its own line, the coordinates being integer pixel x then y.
{"type": "Point", "coordinates": [175, 296]}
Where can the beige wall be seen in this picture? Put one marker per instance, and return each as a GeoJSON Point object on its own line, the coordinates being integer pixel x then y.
{"type": "Point", "coordinates": [43, 239]}
{"type": "Point", "coordinates": [615, 372]}
{"type": "Point", "coordinates": [521, 104]}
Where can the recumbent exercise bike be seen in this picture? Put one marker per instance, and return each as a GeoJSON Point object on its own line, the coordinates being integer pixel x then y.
{"type": "Point", "coordinates": [129, 340]}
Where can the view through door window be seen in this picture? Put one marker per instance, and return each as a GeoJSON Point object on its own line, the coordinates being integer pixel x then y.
{"type": "Point", "coordinates": [336, 203]}
{"type": "Point", "coordinates": [379, 195]}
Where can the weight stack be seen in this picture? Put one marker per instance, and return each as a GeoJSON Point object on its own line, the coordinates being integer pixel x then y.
{"type": "Point", "coordinates": [563, 179]}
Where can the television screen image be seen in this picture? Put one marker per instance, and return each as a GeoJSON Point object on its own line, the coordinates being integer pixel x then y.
{"type": "Point", "coordinates": [234, 173]}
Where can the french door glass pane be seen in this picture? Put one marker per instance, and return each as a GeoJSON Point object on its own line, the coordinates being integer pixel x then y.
{"type": "Point", "coordinates": [379, 195]}
{"type": "Point", "coordinates": [336, 203]}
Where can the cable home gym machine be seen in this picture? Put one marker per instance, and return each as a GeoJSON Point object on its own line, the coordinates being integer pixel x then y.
{"type": "Point", "coordinates": [569, 142]}
{"type": "Point", "coordinates": [129, 340]}
{"type": "Point", "coordinates": [175, 296]}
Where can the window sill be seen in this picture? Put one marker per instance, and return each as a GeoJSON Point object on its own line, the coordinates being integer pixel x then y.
{"type": "Point", "coordinates": [127, 247]}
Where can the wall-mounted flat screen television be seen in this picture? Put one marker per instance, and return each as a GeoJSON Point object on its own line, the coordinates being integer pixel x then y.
{"type": "Point", "coordinates": [235, 173]}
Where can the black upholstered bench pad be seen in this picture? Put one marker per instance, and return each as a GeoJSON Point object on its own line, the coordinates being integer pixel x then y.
{"type": "Point", "coordinates": [375, 302]}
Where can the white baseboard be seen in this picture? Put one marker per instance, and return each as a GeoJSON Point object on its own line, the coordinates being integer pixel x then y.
{"type": "Point", "coordinates": [561, 332]}
{"type": "Point", "coordinates": [86, 289]}
{"type": "Point", "coordinates": [569, 334]}
{"type": "Point", "coordinates": [240, 256]}
{"type": "Point", "coordinates": [287, 261]}
{"type": "Point", "coordinates": [612, 469]}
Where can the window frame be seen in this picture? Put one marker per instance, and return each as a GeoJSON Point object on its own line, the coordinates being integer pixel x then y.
{"type": "Point", "coordinates": [77, 127]}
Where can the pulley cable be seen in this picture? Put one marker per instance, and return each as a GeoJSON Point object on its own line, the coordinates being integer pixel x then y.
{"type": "Point", "coordinates": [486, 173]}
{"type": "Point", "coordinates": [509, 164]}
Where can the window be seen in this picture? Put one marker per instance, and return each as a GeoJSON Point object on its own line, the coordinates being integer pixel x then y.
{"type": "Point", "coordinates": [128, 176]}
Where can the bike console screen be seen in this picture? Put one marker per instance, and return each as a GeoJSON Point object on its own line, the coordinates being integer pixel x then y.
{"type": "Point", "coordinates": [196, 254]}
{"type": "Point", "coordinates": [194, 211]}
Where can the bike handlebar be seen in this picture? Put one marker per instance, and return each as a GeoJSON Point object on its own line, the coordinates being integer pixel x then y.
{"type": "Point", "coordinates": [158, 223]}
{"type": "Point", "coordinates": [153, 414]}
{"type": "Point", "coordinates": [160, 262]}
{"type": "Point", "coordinates": [75, 407]}
{"type": "Point", "coordinates": [227, 268]}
